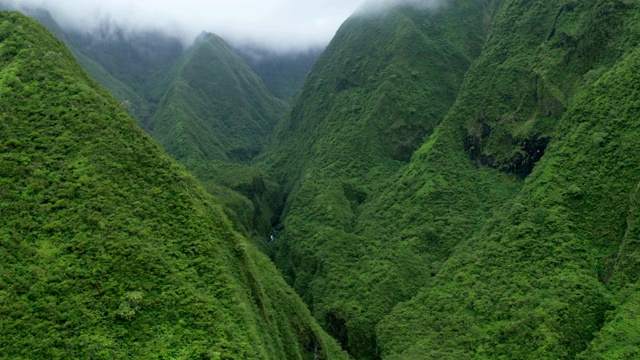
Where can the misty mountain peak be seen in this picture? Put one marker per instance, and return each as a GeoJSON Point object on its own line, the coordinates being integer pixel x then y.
{"type": "Point", "coordinates": [378, 7]}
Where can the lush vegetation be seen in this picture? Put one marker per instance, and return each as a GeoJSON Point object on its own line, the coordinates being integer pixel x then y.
{"type": "Point", "coordinates": [121, 61]}
{"type": "Point", "coordinates": [163, 85]}
{"type": "Point", "coordinates": [535, 280]}
{"type": "Point", "coordinates": [108, 248]}
{"type": "Point", "coordinates": [454, 182]}
{"type": "Point", "coordinates": [380, 89]}
{"type": "Point", "coordinates": [214, 114]}
{"type": "Point", "coordinates": [215, 107]}
{"type": "Point", "coordinates": [204, 105]}
{"type": "Point", "coordinates": [509, 233]}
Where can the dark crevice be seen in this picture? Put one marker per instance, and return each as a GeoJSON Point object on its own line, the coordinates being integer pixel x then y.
{"type": "Point", "coordinates": [521, 163]}
{"type": "Point", "coordinates": [337, 327]}
{"type": "Point", "coordinates": [564, 8]}
{"type": "Point", "coordinates": [533, 149]}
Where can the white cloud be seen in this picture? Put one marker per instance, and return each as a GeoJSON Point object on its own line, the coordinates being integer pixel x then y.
{"type": "Point", "coordinates": [275, 24]}
{"type": "Point", "coordinates": [279, 24]}
{"type": "Point", "coordinates": [373, 7]}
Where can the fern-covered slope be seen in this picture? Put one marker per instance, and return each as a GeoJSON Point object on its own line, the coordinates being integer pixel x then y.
{"type": "Point", "coordinates": [109, 249]}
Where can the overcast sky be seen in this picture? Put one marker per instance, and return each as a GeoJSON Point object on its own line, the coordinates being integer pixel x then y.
{"type": "Point", "coordinates": [281, 24]}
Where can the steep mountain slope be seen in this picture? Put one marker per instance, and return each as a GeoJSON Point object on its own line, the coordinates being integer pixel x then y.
{"type": "Point", "coordinates": [461, 182]}
{"type": "Point", "coordinates": [556, 266]}
{"type": "Point", "coordinates": [215, 108]}
{"type": "Point", "coordinates": [379, 90]}
{"type": "Point", "coordinates": [120, 61]}
{"type": "Point", "coordinates": [510, 232]}
{"type": "Point", "coordinates": [109, 249]}
{"type": "Point", "coordinates": [124, 60]}
{"type": "Point", "coordinates": [209, 89]}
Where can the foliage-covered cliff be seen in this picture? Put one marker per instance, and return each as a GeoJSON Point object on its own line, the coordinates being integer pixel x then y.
{"type": "Point", "coordinates": [553, 101]}
{"type": "Point", "coordinates": [509, 232]}
{"type": "Point", "coordinates": [108, 248]}
{"type": "Point", "coordinates": [215, 107]}
{"type": "Point", "coordinates": [380, 89]}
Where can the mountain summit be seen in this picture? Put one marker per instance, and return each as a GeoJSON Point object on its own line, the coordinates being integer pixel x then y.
{"type": "Point", "coordinates": [215, 107]}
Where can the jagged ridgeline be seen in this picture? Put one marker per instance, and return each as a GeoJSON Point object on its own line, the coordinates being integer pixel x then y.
{"type": "Point", "coordinates": [109, 249]}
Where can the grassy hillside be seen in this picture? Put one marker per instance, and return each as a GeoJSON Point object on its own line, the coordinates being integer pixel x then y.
{"type": "Point", "coordinates": [380, 89]}
{"type": "Point", "coordinates": [109, 249]}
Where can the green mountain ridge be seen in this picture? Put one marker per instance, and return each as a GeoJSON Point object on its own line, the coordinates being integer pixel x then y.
{"type": "Point", "coordinates": [214, 115]}
{"type": "Point", "coordinates": [215, 107]}
{"type": "Point", "coordinates": [169, 90]}
{"type": "Point", "coordinates": [120, 61]}
{"type": "Point", "coordinates": [109, 249]}
{"type": "Point", "coordinates": [555, 240]}
{"type": "Point", "coordinates": [123, 62]}
{"type": "Point", "coordinates": [506, 234]}
{"type": "Point", "coordinates": [529, 282]}
{"type": "Point", "coordinates": [163, 85]}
